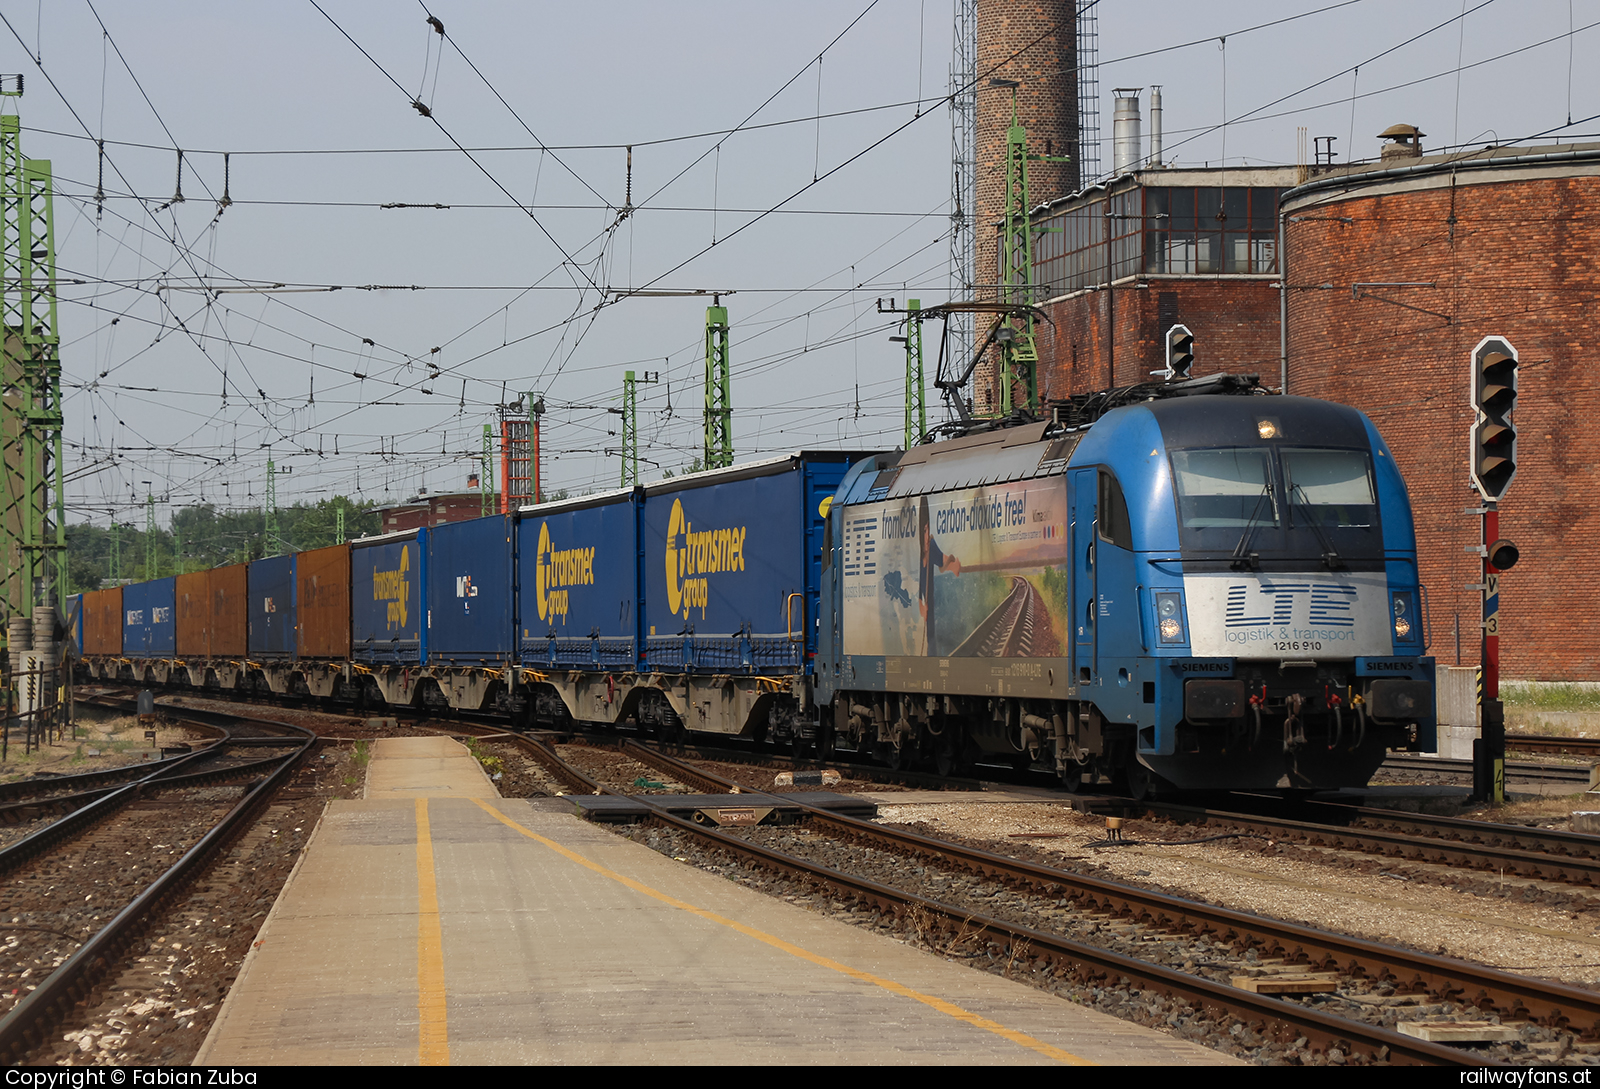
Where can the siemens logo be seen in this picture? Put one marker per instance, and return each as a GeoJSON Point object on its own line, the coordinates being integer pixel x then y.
{"type": "Point", "coordinates": [1390, 667]}
{"type": "Point", "coordinates": [1204, 667]}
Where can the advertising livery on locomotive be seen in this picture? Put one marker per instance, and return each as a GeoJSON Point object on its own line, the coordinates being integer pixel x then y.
{"type": "Point", "coordinates": [1195, 590]}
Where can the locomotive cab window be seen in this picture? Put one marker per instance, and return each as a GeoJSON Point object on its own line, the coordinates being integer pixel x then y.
{"type": "Point", "coordinates": [1228, 488]}
{"type": "Point", "coordinates": [1115, 525]}
{"type": "Point", "coordinates": [1329, 488]}
{"type": "Point", "coordinates": [1281, 503]}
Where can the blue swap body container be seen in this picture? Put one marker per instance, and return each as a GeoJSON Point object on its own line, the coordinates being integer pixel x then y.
{"type": "Point", "coordinates": [149, 619]}
{"type": "Point", "coordinates": [578, 582]}
{"type": "Point", "coordinates": [733, 564]}
{"type": "Point", "coordinates": [471, 600]}
{"type": "Point", "coordinates": [388, 618]}
{"type": "Point", "coordinates": [272, 612]}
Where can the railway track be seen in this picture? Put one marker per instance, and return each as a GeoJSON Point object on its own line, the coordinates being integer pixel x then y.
{"type": "Point", "coordinates": [80, 889]}
{"type": "Point", "coordinates": [1564, 857]}
{"type": "Point", "coordinates": [1126, 918]}
{"type": "Point", "coordinates": [1555, 746]}
{"type": "Point", "coordinates": [1546, 773]}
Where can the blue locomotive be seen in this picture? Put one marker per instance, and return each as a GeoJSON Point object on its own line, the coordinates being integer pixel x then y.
{"type": "Point", "coordinates": [1193, 591]}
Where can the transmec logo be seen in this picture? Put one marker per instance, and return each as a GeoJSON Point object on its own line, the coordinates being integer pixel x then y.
{"type": "Point", "coordinates": [692, 555]}
{"type": "Point", "coordinates": [555, 571]}
{"type": "Point", "coordinates": [395, 588]}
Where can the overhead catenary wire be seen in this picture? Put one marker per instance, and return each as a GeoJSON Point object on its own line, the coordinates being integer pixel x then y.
{"type": "Point", "coordinates": [583, 362]}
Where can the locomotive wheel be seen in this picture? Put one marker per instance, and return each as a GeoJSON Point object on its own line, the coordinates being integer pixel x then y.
{"type": "Point", "coordinates": [1072, 778]}
{"type": "Point", "coordinates": [1141, 780]}
{"type": "Point", "coordinates": [1143, 783]}
{"type": "Point", "coordinates": [948, 750]}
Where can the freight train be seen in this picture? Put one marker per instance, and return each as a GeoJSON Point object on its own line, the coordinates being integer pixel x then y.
{"type": "Point", "coordinates": [1191, 586]}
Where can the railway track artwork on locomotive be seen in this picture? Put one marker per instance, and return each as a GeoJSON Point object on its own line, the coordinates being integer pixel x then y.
{"type": "Point", "coordinates": [1176, 586]}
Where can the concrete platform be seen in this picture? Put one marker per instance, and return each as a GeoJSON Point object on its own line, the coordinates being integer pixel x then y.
{"type": "Point", "coordinates": [436, 923]}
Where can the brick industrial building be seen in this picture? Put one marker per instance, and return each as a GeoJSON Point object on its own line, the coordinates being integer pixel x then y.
{"type": "Point", "coordinates": [1121, 263]}
{"type": "Point", "coordinates": [430, 510]}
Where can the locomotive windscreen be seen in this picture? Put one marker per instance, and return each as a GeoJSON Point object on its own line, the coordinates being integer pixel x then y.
{"type": "Point", "coordinates": [1295, 503]}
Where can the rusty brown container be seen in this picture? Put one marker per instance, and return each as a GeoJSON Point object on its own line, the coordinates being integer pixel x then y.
{"type": "Point", "coordinates": [102, 622]}
{"type": "Point", "coordinates": [193, 594]}
{"type": "Point", "coordinates": [230, 611]}
{"type": "Point", "coordinates": [322, 602]}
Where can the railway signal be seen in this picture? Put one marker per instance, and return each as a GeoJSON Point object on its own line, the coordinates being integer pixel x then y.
{"type": "Point", "coordinates": [1180, 353]}
{"type": "Point", "coordinates": [1494, 433]}
{"type": "Point", "coordinates": [1493, 465]}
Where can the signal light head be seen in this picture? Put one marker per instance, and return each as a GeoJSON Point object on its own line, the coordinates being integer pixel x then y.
{"type": "Point", "coordinates": [1494, 432]}
{"type": "Point", "coordinates": [1180, 353]}
{"type": "Point", "coordinates": [1502, 555]}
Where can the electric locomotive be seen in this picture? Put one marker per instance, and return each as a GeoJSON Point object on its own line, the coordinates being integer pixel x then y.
{"type": "Point", "coordinates": [1204, 587]}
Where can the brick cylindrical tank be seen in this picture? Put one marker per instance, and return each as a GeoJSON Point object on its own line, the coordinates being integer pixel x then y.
{"type": "Point", "coordinates": [1395, 273]}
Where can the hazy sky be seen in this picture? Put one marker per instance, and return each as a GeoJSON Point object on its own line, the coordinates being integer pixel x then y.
{"type": "Point", "coordinates": [808, 222]}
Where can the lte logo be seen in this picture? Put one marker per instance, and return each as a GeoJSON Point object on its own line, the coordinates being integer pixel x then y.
{"type": "Point", "coordinates": [464, 587]}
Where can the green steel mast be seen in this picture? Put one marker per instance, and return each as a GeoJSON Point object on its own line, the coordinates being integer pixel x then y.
{"type": "Point", "coordinates": [151, 569]}
{"type": "Point", "coordinates": [1019, 353]}
{"type": "Point", "coordinates": [33, 556]}
{"type": "Point", "coordinates": [916, 393]}
{"type": "Point", "coordinates": [719, 398]}
{"type": "Point", "coordinates": [485, 474]}
{"type": "Point", "coordinates": [630, 424]}
{"type": "Point", "coordinates": [270, 537]}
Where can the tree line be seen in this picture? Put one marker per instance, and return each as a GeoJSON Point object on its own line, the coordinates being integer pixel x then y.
{"type": "Point", "coordinates": [201, 537]}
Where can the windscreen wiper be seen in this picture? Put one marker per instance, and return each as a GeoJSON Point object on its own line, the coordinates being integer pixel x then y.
{"type": "Point", "coordinates": [1242, 558]}
{"type": "Point", "coordinates": [1329, 555]}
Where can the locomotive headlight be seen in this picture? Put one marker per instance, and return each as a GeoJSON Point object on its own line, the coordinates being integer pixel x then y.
{"type": "Point", "coordinates": [1169, 616]}
{"type": "Point", "coordinates": [1404, 621]}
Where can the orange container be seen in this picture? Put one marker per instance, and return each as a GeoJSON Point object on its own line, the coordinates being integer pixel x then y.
{"type": "Point", "coordinates": [102, 622]}
{"type": "Point", "coordinates": [230, 612]}
{"type": "Point", "coordinates": [213, 619]}
{"type": "Point", "coordinates": [322, 602]}
{"type": "Point", "coordinates": [193, 592]}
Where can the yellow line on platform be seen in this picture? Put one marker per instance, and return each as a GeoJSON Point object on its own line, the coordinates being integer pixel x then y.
{"type": "Point", "coordinates": [433, 1030]}
{"type": "Point", "coordinates": [948, 1008]}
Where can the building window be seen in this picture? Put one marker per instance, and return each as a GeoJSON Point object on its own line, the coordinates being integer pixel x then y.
{"type": "Point", "coordinates": [1211, 231]}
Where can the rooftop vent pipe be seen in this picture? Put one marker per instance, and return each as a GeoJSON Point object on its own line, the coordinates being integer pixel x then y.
{"type": "Point", "coordinates": [1126, 139]}
{"type": "Point", "coordinates": [1155, 127]}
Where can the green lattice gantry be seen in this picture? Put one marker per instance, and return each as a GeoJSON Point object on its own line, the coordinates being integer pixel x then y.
{"type": "Point", "coordinates": [32, 514]}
